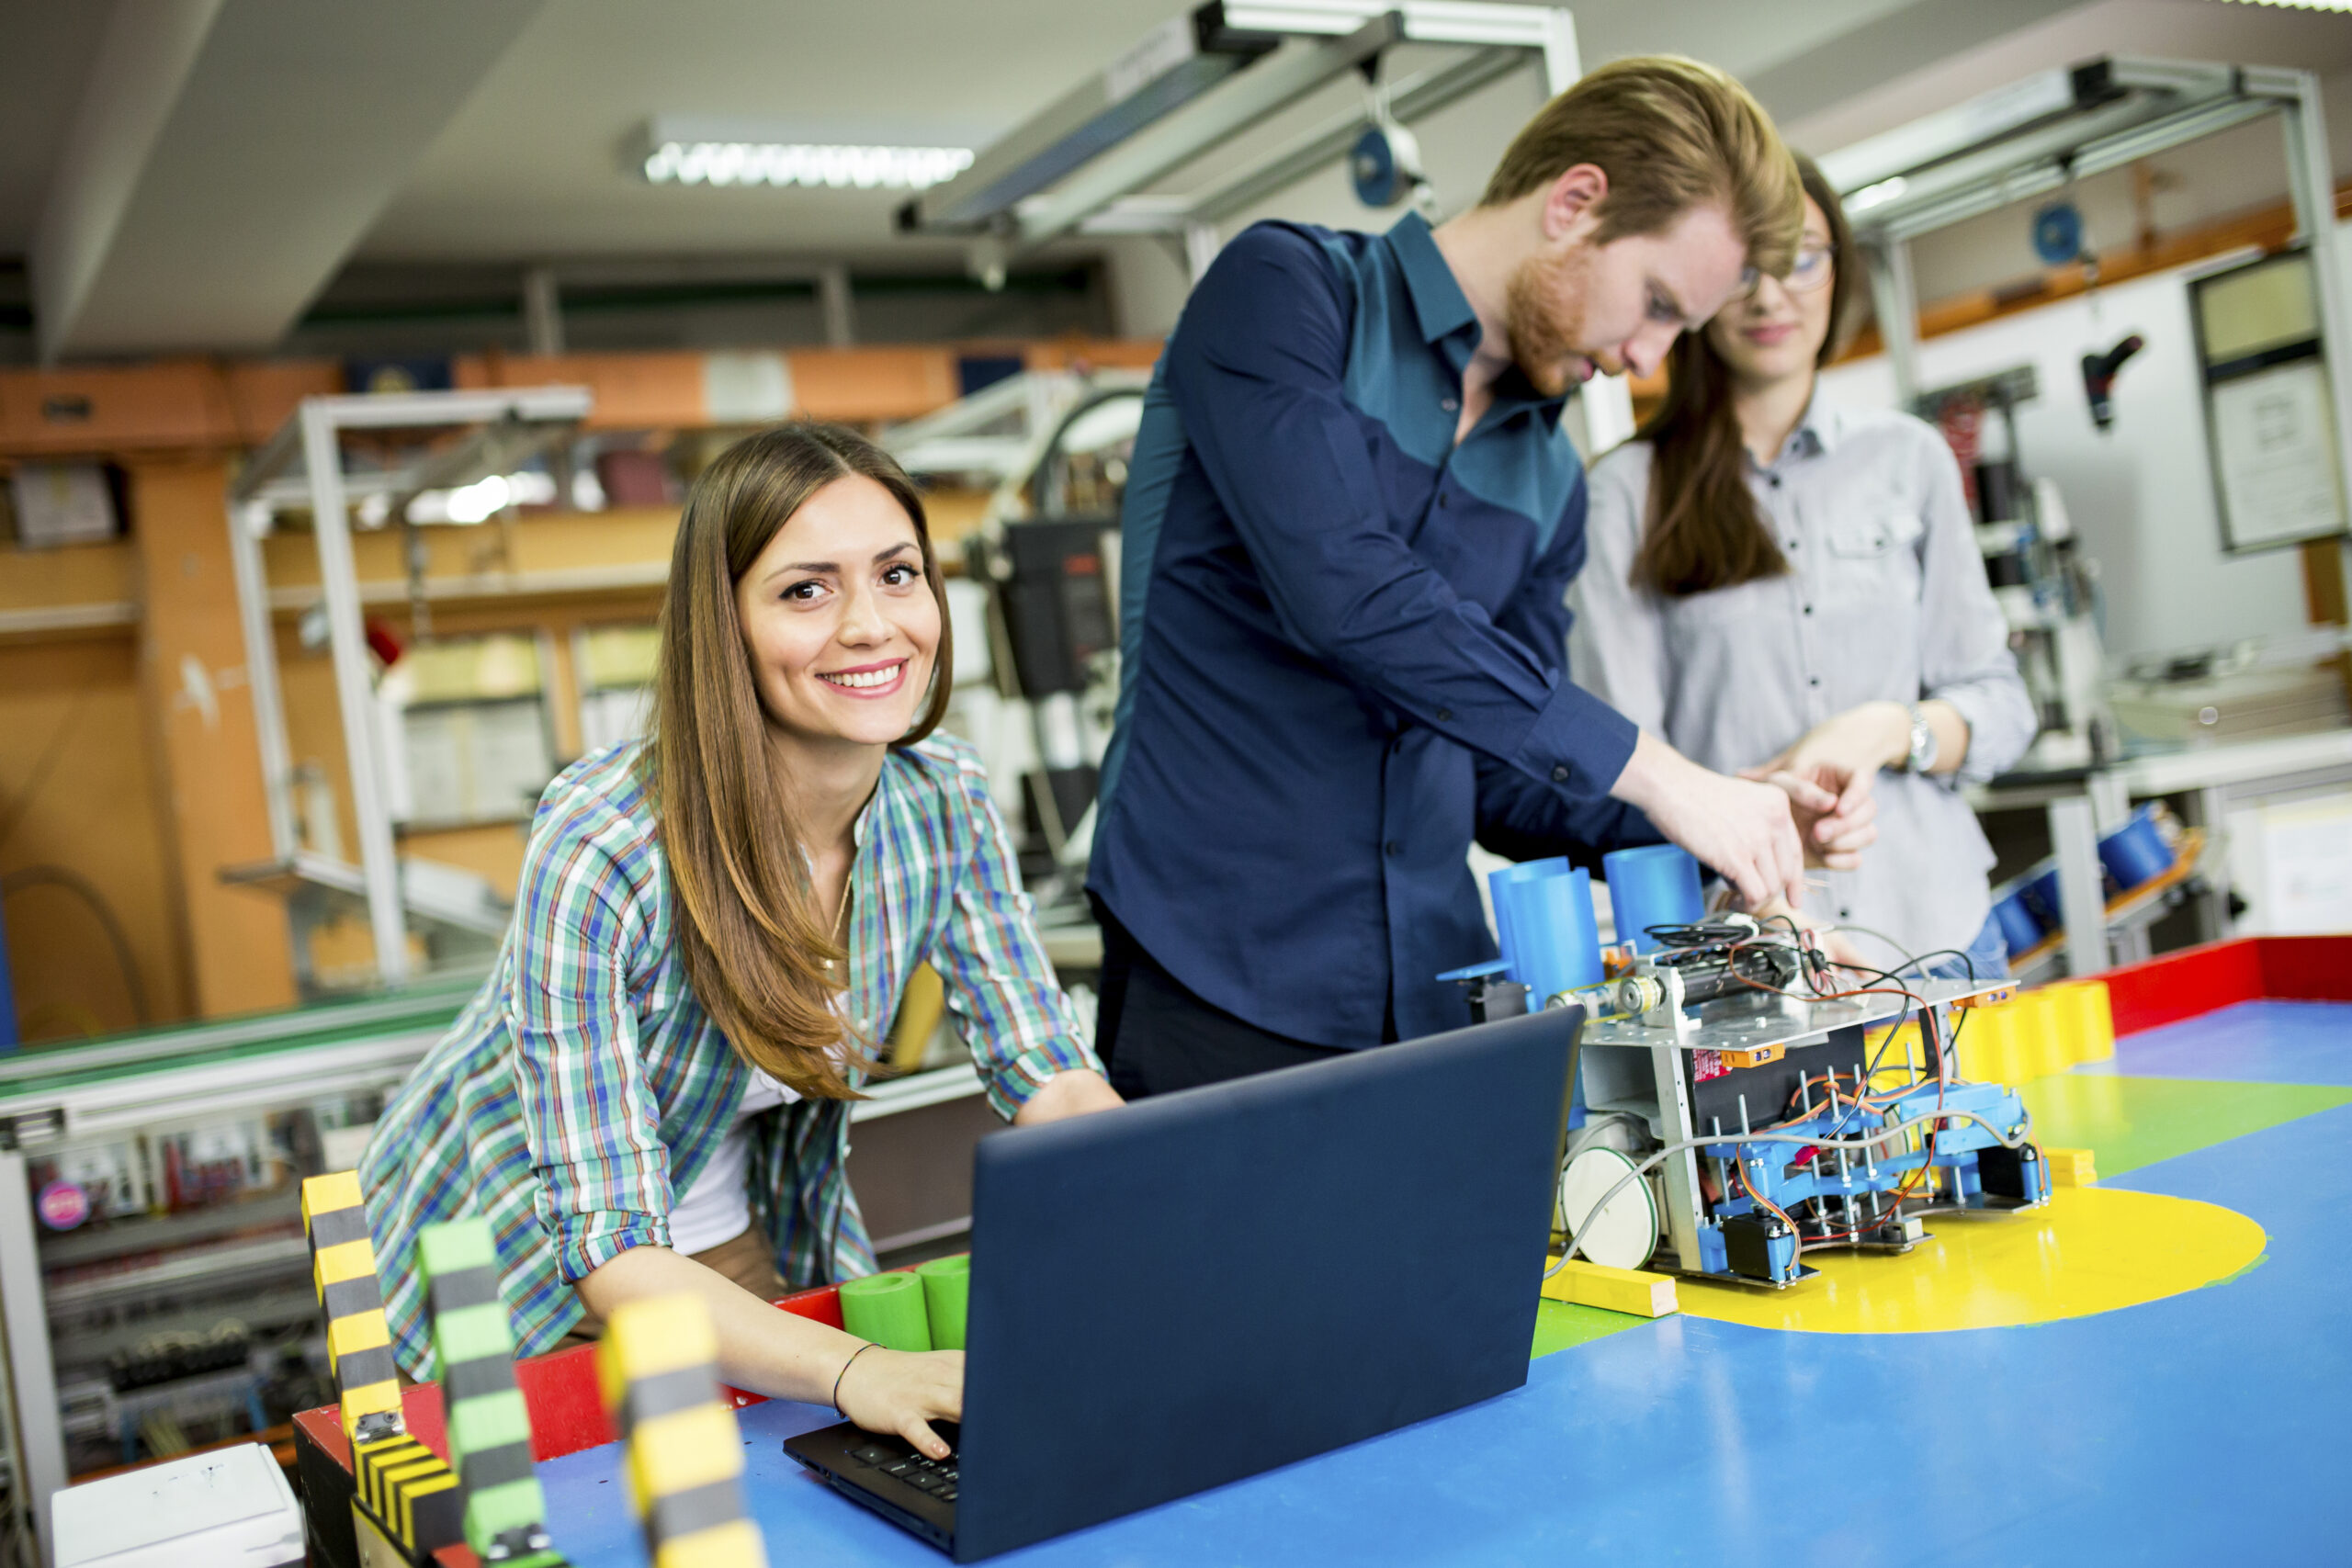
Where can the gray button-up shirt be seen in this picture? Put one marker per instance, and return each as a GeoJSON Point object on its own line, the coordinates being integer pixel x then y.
{"type": "Point", "coordinates": [1886, 599]}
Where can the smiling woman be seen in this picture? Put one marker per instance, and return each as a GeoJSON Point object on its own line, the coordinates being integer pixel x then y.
{"type": "Point", "coordinates": [649, 1095]}
{"type": "Point", "coordinates": [802, 571]}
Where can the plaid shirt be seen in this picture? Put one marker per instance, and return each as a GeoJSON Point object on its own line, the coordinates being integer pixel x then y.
{"type": "Point", "coordinates": [585, 1087]}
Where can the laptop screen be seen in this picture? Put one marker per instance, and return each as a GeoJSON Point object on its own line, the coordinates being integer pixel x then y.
{"type": "Point", "coordinates": [1212, 1284]}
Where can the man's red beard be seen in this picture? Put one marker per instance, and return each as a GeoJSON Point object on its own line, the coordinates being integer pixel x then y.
{"type": "Point", "coordinates": [1543, 314]}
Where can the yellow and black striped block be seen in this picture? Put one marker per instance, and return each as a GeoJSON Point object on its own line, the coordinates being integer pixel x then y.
{"type": "Point", "coordinates": [657, 1367]}
{"type": "Point", "coordinates": [399, 1483]}
{"type": "Point", "coordinates": [410, 1492]}
{"type": "Point", "coordinates": [359, 1346]}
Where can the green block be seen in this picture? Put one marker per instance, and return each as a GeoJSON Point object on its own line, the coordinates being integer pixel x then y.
{"type": "Point", "coordinates": [889, 1310]}
{"type": "Point", "coordinates": [487, 1420]}
{"type": "Point", "coordinates": [946, 1291]}
{"type": "Point", "coordinates": [470, 1333]}
{"type": "Point", "coordinates": [517, 1505]}
{"type": "Point", "coordinates": [461, 1244]}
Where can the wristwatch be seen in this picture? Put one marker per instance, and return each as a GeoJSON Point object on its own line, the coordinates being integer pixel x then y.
{"type": "Point", "coordinates": [1923, 742]}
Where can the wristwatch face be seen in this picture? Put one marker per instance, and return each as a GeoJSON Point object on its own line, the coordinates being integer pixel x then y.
{"type": "Point", "coordinates": [1923, 743]}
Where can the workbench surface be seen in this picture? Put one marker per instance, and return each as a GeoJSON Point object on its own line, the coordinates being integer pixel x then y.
{"type": "Point", "coordinates": [2201, 1427]}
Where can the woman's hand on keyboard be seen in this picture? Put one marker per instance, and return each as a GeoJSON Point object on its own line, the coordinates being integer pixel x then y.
{"type": "Point", "coordinates": [903, 1392]}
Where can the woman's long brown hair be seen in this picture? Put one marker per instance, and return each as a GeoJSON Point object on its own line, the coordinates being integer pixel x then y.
{"type": "Point", "coordinates": [1703, 531]}
{"type": "Point", "coordinates": [756, 946]}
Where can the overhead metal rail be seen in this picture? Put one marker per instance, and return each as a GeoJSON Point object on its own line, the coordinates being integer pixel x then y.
{"type": "Point", "coordinates": [1221, 62]}
{"type": "Point", "coordinates": [1086, 165]}
{"type": "Point", "coordinates": [1423, 93]}
{"type": "Point", "coordinates": [2067, 124]}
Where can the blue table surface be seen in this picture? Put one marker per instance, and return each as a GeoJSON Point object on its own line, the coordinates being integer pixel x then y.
{"type": "Point", "coordinates": [2200, 1427]}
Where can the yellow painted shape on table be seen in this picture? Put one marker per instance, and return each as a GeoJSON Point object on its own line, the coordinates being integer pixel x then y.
{"type": "Point", "coordinates": [1635, 1291]}
{"type": "Point", "coordinates": [2090, 1249]}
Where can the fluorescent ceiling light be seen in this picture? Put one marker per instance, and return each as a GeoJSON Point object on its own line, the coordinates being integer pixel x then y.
{"type": "Point", "coordinates": [1878, 195]}
{"type": "Point", "coordinates": [475, 503]}
{"type": "Point", "coordinates": [2304, 5]}
{"type": "Point", "coordinates": [803, 164]}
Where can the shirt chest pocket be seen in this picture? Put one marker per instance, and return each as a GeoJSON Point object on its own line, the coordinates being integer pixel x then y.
{"type": "Point", "coordinates": [1873, 555]}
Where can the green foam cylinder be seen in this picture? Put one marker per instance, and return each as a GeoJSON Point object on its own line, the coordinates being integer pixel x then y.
{"type": "Point", "coordinates": [889, 1310]}
{"type": "Point", "coordinates": [946, 1286]}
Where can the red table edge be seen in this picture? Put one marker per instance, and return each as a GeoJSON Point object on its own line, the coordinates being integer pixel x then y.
{"type": "Point", "coordinates": [567, 1415]}
{"type": "Point", "coordinates": [2220, 974]}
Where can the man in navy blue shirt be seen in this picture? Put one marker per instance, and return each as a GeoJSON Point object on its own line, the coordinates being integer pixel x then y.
{"type": "Point", "coordinates": [1349, 523]}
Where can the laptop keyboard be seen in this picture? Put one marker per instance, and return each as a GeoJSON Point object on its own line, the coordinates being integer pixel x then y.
{"type": "Point", "coordinates": [936, 1477]}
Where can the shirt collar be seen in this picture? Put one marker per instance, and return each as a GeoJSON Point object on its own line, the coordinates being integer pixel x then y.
{"type": "Point", "coordinates": [1446, 317]}
{"type": "Point", "coordinates": [1823, 423]}
{"type": "Point", "coordinates": [1439, 303]}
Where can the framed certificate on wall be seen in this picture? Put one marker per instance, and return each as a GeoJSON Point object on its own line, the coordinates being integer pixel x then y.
{"type": "Point", "coordinates": [2269, 417]}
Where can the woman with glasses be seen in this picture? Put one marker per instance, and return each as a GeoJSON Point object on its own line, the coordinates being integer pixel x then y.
{"type": "Point", "coordinates": [1777, 585]}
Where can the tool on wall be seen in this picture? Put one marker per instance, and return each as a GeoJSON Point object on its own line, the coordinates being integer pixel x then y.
{"type": "Point", "coordinates": [2098, 378]}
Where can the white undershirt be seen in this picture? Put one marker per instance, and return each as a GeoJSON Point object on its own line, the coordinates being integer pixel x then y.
{"type": "Point", "coordinates": [717, 1207]}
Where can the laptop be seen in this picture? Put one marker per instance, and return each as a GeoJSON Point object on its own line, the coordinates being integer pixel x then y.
{"type": "Point", "coordinates": [1209, 1284]}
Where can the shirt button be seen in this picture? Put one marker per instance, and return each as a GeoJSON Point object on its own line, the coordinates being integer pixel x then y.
{"type": "Point", "coordinates": [1793, 544]}
{"type": "Point", "coordinates": [1814, 681]}
{"type": "Point", "coordinates": [1845, 914]}
{"type": "Point", "coordinates": [1448, 405]}
{"type": "Point", "coordinates": [1441, 499]}
{"type": "Point", "coordinates": [1445, 715]}
{"type": "Point", "coordinates": [1560, 774]}
{"type": "Point", "coordinates": [1393, 849]}
{"type": "Point", "coordinates": [1808, 609]}
{"type": "Point", "coordinates": [1776, 481]}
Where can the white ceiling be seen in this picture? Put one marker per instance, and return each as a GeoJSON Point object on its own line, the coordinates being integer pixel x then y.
{"type": "Point", "coordinates": [533, 165]}
{"type": "Point", "coordinates": [46, 48]}
{"type": "Point", "coordinates": [526, 163]}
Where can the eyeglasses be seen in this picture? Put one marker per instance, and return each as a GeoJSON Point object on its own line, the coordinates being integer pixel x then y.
{"type": "Point", "coordinates": [1810, 271]}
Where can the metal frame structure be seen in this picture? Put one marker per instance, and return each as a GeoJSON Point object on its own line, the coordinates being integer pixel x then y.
{"type": "Point", "coordinates": [2037, 136]}
{"type": "Point", "coordinates": [301, 469]}
{"type": "Point", "coordinates": [1083, 164]}
{"type": "Point", "coordinates": [2066, 124]}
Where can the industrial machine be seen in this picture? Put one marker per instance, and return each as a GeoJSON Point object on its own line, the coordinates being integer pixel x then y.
{"type": "Point", "coordinates": [1748, 1102]}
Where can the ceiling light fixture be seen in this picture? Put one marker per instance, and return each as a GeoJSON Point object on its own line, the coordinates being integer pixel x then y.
{"type": "Point", "coordinates": [1877, 195]}
{"type": "Point", "coordinates": [747, 162]}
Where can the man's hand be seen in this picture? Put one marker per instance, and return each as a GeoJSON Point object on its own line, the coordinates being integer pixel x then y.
{"type": "Point", "coordinates": [1832, 942]}
{"type": "Point", "coordinates": [1739, 829]}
